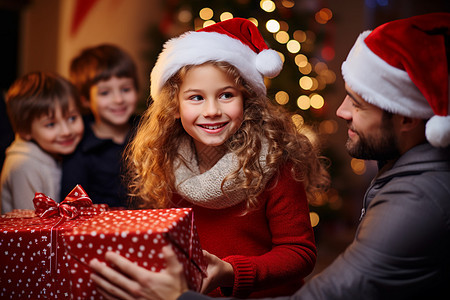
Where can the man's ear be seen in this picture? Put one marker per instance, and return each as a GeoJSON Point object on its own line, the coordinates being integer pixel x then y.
{"type": "Point", "coordinates": [408, 123]}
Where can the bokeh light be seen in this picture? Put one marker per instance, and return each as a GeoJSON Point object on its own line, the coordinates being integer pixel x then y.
{"type": "Point", "coordinates": [314, 217]}
{"type": "Point", "coordinates": [185, 16]}
{"type": "Point", "coordinates": [358, 166]}
{"type": "Point", "coordinates": [206, 13]}
{"type": "Point", "coordinates": [208, 23]}
{"type": "Point", "coordinates": [288, 3]}
{"type": "Point", "coordinates": [267, 5]}
{"type": "Point", "coordinates": [323, 16]}
{"type": "Point", "coordinates": [317, 101]}
{"type": "Point", "coordinates": [301, 60]}
{"type": "Point", "coordinates": [226, 16]}
{"type": "Point", "coordinates": [303, 102]}
{"type": "Point", "coordinates": [305, 82]}
{"type": "Point", "coordinates": [272, 26]}
{"type": "Point", "coordinates": [293, 46]}
{"type": "Point", "coordinates": [282, 97]}
{"type": "Point", "coordinates": [299, 35]}
{"type": "Point", "coordinates": [282, 37]}
{"type": "Point", "coordinates": [254, 21]}
{"type": "Point", "coordinates": [298, 120]}
{"type": "Point", "coordinates": [328, 127]}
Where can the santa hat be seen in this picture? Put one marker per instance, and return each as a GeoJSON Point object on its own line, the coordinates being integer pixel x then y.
{"type": "Point", "coordinates": [236, 41]}
{"type": "Point", "coordinates": [402, 68]}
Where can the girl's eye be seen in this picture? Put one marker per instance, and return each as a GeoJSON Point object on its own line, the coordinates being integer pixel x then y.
{"type": "Point", "coordinates": [50, 125]}
{"type": "Point", "coordinates": [196, 98]}
{"type": "Point", "coordinates": [226, 95]}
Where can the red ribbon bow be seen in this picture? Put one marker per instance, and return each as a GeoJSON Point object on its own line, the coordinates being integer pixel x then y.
{"type": "Point", "coordinates": [46, 207]}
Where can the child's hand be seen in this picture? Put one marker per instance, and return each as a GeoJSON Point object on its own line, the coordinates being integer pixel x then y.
{"type": "Point", "coordinates": [135, 282]}
{"type": "Point", "coordinates": [220, 273]}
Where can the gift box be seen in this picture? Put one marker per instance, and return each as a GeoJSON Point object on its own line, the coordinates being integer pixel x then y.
{"type": "Point", "coordinates": [139, 236]}
{"type": "Point", "coordinates": [31, 248]}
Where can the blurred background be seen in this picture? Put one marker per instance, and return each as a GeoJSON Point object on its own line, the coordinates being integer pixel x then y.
{"type": "Point", "coordinates": [312, 36]}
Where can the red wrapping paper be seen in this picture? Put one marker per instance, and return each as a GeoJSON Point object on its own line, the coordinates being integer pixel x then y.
{"type": "Point", "coordinates": [32, 254]}
{"type": "Point", "coordinates": [139, 236]}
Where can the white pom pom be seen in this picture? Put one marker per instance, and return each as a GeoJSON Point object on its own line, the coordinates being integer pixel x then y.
{"type": "Point", "coordinates": [438, 131]}
{"type": "Point", "coordinates": [268, 63]}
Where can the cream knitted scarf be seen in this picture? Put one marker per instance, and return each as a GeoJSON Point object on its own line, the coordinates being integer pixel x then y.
{"type": "Point", "coordinates": [204, 189]}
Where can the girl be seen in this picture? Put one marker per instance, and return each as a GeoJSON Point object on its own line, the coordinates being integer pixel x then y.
{"type": "Point", "coordinates": [211, 140]}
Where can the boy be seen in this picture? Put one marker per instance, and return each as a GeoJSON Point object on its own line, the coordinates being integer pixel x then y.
{"type": "Point", "coordinates": [106, 78]}
{"type": "Point", "coordinates": [43, 111]}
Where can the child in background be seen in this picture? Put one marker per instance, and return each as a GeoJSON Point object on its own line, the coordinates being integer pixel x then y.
{"type": "Point", "coordinates": [106, 78]}
{"type": "Point", "coordinates": [43, 111]}
{"type": "Point", "coordinates": [211, 140]}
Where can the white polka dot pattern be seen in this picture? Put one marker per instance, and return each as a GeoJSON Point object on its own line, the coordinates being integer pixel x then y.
{"type": "Point", "coordinates": [137, 235]}
{"type": "Point", "coordinates": [32, 255]}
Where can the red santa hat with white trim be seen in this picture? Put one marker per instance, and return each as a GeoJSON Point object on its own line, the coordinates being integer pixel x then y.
{"type": "Point", "coordinates": [236, 41]}
{"type": "Point", "coordinates": [402, 67]}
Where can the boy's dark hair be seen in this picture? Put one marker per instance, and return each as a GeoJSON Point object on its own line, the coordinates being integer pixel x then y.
{"type": "Point", "coordinates": [36, 94]}
{"type": "Point", "coordinates": [101, 63]}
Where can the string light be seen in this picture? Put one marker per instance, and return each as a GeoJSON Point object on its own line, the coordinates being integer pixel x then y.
{"type": "Point", "coordinates": [300, 36]}
{"type": "Point", "coordinates": [267, 5]}
{"type": "Point", "coordinates": [282, 97]}
{"type": "Point", "coordinates": [301, 60]}
{"type": "Point", "coordinates": [282, 37]}
{"type": "Point", "coordinates": [185, 16]}
{"type": "Point", "coordinates": [226, 16]}
{"type": "Point", "coordinates": [206, 13]}
{"type": "Point", "coordinates": [293, 46]}
{"type": "Point", "coordinates": [303, 102]}
{"type": "Point", "coordinates": [288, 3]}
{"type": "Point", "coordinates": [306, 69]}
{"type": "Point", "coordinates": [323, 16]}
{"type": "Point", "coordinates": [298, 120]}
{"type": "Point", "coordinates": [208, 23]}
{"type": "Point", "coordinates": [254, 21]}
{"type": "Point", "coordinates": [328, 127]}
{"type": "Point", "coordinates": [314, 217]}
{"type": "Point", "coordinates": [305, 82]}
{"type": "Point", "coordinates": [317, 101]}
{"type": "Point", "coordinates": [272, 26]}
{"type": "Point", "coordinates": [358, 166]}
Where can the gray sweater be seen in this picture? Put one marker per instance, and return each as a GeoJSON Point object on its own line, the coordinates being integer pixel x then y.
{"type": "Point", "coordinates": [28, 169]}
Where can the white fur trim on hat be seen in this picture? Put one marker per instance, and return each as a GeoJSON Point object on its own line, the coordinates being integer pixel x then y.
{"type": "Point", "coordinates": [381, 84]}
{"type": "Point", "coordinates": [195, 48]}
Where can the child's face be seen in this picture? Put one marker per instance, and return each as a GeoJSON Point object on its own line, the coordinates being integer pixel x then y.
{"type": "Point", "coordinates": [113, 101]}
{"type": "Point", "coordinates": [211, 107]}
{"type": "Point", "coordinates": [58, 134]}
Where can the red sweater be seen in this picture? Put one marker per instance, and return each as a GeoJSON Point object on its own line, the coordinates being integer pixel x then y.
{"type": "Point", "coordinates": [271, 249]}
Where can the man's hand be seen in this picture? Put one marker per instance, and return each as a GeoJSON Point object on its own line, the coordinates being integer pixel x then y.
{"type": "Point", "coordinates": [134, 282]}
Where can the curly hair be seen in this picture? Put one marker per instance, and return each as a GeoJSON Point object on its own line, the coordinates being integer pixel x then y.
{"type": "Point", "coordinates": [152, 152]}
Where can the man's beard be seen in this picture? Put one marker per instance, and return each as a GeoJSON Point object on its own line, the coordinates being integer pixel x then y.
{"type": "Point", "coordinates": [381, 147]}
